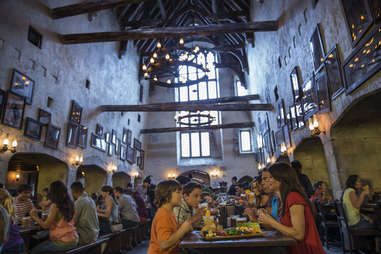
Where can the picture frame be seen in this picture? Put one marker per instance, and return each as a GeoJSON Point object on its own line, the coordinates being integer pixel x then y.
{"type": "Point", "coordinates": [287, 136]}
{"type": "Point", "coordinates": [95, 141]}
{"type": "Point", "coordinates": [103, 146]}
{"type": "Point", "coordinates": [268, 143]}
{"type": "Point", "coordinates": [123, 152]}
{"type": "Point", "coordinates": [22, 85]}
{"type": "Point", "coordinates": [82, 136]}
{"type": "Point", "coordinates": [281, 118]}
{"type": "Point", "coordinates": [334, 71]}
{"type": "Point", "coordinates": [99, 130]}
{"type": "Point", "coordinates": [317, 48]}
{"type": "Point", "coordinates": [32, 129]}
{"type": "Point", "coordinates": [72, 132]}
{"type": "Point", "coordinates": [140, 160]}
{"type": "Point", "coordinates": [295, 84]}
{"type": "Point", "coordinates": [52, 136]}
{"type": "Point", "coordinates": [111, 149]}
{"type": "Point", "coordinates": [358, 18]}
{"type": "Point", "coordinates": [3, 96]}
{"type": "Point", "coordinates": [131, 155]}
{"type": "Point", "coordinates": [294, 119]}
{"type": "Point", "coordinates": [107, 137]}
{"type": "Point", "coordinates": [113, 137]}
{"type": "Point", "coordinates": [13, 110]}
{"type": "Point", "coordinates": [124, 136]}
{"type": "Point", "coordinates": [75, 112]}
{"type": "Point", "coordinates": [279, 139]}
{"type": "Point", "coordinates": [300, 115]}
{"type": "Point", "coordinates": [375, 9]}
{"type": "Point", "coordinates": [137, 144]}
{"type": "Point", "coordinates": [309, 99]}
{"type": "Point", "coordinates": [359, 67]}
{"type": "Point", "coordinates": [321, 85]}
{"type": "Point", "coordinates": [44, 117]}
{"type": "Point", "coordinates": [117, 147]}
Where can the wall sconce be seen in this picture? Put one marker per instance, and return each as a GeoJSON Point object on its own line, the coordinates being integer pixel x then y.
{"type": "Point", "coordinates": [171, 176]}
{"type": "Point", "coordinates": [112, 168]}
{"type": "Point", "coordinates": [268, 160]}
{"type": "Point", "coordinates": [134, 174]}
{"type": "Point", "coordinates": [17, 177]}
{"type": "Point", "coordinates": [78, 161]}
{"type": "Point", "coordinates": [261, 166]}
{"type": "Point", "coordinates": [6, 146]}
{"type": "Point", "coordinates": [283, 148]}
{"type": "Point", "coordinates": [313, 124]}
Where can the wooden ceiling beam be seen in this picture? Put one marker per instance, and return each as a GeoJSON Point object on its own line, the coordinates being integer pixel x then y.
{"type": "Point", "coordinates": [160, 32]}
{"type": "Point", "coordinates": [162, 9]}
{"type": "Point", "coordinates": [203, 128]}
{"type": "Point", "coordinates": [86, 7]}
{"type": "Point", "coordinates": [165, 107]}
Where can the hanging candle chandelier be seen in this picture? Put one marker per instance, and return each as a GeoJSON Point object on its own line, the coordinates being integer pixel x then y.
{"type": "Point", "coordinates": [194, 119]}
{"type": "Point", "coordinates": [162, 67]}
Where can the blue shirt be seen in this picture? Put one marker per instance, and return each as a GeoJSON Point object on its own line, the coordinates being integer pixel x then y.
{"type": "Point", "coordinates": [274, 207]}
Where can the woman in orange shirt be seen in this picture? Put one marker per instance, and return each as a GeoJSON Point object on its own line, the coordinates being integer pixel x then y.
{"type": "Point", "coordinates": [165, 231]}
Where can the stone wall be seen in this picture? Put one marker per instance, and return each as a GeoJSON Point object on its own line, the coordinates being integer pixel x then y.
{"type": "Point", "coordinates": [60, 72]}
{"type": "Point", "coordinates": [276, 53]}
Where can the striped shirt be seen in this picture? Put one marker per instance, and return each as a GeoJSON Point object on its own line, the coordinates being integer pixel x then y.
{"type": "Point", "coordinates": [22, 208]}
{"type": "Point", "coordinates": [183, 212]}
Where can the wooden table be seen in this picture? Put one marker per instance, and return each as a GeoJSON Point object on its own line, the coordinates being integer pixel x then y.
{"type": "Point", "coordinates": [270, 242]}
{"type": "Point", "coordinates": [27, 233]}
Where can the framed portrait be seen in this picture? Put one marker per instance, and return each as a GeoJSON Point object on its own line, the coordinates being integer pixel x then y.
{"type": "Point", "coordinates": [52, 136]}
{"type": "Point", "coordinates": [359, 18]}
{"type": "Point", "coordinates": [375, 9]}
{"type": "Point", "coordinates": [72, 134]}
{"type": "Point", "coordinates": [110, 149]}
{"type": "Point", "coordinates": [317, 48]}
{"type": "Point", "coordinates": [140, 160]}
{"type": "Point", "coordinates": [287, 136]}
{"type": "Point", "coordinates": [103, 147]}
{"type": "Point", "coordinates": [99, 130]}
{"type": "Point", "coordinates": [294, 120]}
{"type": "Point", "coordinates": [279, 139]}
{"type": "Point", "coordinates": [82, 136]}
{"type": "Point", "coordinates": [75, 112]}
{"type": "Point", "coordinates": [44, 117]}
{"type": "Point", "coordinates": [32, 129]}
{"type": "Point", "coordinates": [268, 143]}
{"type": "Point", "coordinates": [123, 152]}
{"type": "Point", "coordinates": [309, 98]}
{"type": "Point", "coordinates": [321, 85]}
{"type": "Point", "coordinates": [363, 62]}
{"type": "Point", "coordinates": [113, 137]}
{"type": "Point", "coordinates": [2, 100]}
{"type": "Point", "coordinates": [131, 155]}
{"type": "Point", "coordinates": [95, 141]}
{"type": "Point", "coordinates": [295, 84]}
{"type": "Point", "coordinates": [13, 110]}
{"type": "Point", "coordinates": [22, 85]}
{"type": "Point", "coordinates": [124, 136]}
{"type": "Point", "coordinates": [137, 144]}
{"type": "Point", "coordinates": [300, 115]}
{"type": "Point", "coordinates": [107, 137]}
{"type": "Point", "coordinates": [281, 118]}
{"type": "Point", "coordinates": [117, 147]}
{"type": "Point", "coordinates": [333, 66]}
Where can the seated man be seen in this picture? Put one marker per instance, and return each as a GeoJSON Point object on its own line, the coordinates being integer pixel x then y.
{"type": "Point", "coordinates": [23, 203]}
{"type": "Point", "coordinates": [85, 218]}
{"type": "Point", "coordinates": [141, 206]}
{"type": "Point", "coordinates": [127, 208]}
{"type": "Point", "coordinates": [190, 202]}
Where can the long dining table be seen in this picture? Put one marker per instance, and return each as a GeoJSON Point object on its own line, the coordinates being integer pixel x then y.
{"type": "Point", "coordinates": [269, 242]}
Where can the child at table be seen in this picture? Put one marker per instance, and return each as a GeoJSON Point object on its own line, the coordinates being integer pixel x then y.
{"type": "Point", "coordinates": [15, 243]}
{"type": "Point", "coordinates": [165, 231]}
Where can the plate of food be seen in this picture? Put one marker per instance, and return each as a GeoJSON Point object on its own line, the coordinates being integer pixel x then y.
{"type": "Point", "coordinates": [240, 231]}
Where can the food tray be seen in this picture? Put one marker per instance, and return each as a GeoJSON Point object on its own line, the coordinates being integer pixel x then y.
{"type": "Point", "coordinates": [231, 237]}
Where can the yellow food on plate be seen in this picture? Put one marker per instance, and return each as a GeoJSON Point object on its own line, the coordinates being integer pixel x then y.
{"type": "Point", "coordinates": [366, 187]}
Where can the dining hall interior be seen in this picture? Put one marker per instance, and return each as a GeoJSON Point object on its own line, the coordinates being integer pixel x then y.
{"type": "Point", "coordinates": [126, 96]}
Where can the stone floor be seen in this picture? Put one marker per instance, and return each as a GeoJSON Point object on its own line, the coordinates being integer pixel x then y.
{"type": "Point", "coordinates": [142, 248]}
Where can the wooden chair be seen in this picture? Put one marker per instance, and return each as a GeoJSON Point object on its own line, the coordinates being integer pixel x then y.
{"type": "Point", "coordinates": [327, 228]}
{"type": "Point", "coordinates": [349, 236]}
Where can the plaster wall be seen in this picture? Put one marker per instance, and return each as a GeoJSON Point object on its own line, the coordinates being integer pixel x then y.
{"type": "Point", "coordinates": [275, 54]}
{"type": "Point", "coordinates": [60, 72]}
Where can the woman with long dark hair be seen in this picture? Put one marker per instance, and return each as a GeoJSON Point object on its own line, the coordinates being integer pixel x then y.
{"type": "Point", "coordinates": [108, 211]}
{"type": "Point", "coordinates": [62, 233]}
{"type": "Point", "coordinates": [296, 218]}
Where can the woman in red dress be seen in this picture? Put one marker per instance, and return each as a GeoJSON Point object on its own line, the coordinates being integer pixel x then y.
{"type": "Point", "coordinates": [296, 218]}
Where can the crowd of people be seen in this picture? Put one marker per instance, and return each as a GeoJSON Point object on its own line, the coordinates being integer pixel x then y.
{"type": "Point", "coordinates": [70, 219]}
{"type": "Point", "coordinates": [284, 200]}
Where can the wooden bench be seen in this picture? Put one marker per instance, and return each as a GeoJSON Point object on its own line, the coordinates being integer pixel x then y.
{"type": "Point", "coordinates": [129, 238]}
{"type": "Point", "coordinates": [115, 243]}
{"type": "Point", "coordinates": [91, 248]}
